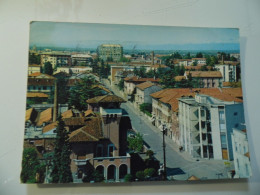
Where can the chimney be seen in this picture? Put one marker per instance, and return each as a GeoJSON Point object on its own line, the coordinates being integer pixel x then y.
{"type": "Point", "coordinates": [152, 57]}
{"type": "Point", "coordinates": [55, 103]}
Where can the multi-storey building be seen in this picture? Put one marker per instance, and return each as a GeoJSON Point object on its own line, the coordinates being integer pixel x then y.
{"type": "Point", "coordinates": [165, 107]}
{"type": "Point", "coordinates": [241, 154]}
{"type": "Point", "coordinates": [206, 124]}
{"type": "Point", "coordinates": [143, 92]}
{"type": "Point", "coordinates": [57, 59]}
{"type": "Point", "coordinates": [206, 79]}
{"type": "Point", "coordinates": [112, 51]}
{"type": "Point", "coordinates": [81, 59]}
{"type": "Point", "coordinates": [33, 68]}
{"type": "Point", "coordinates": [228, 72]}
{"type": "Point", "coordinates": [40, 83]}
{"type": "Point", "coordinates": [131, 82]}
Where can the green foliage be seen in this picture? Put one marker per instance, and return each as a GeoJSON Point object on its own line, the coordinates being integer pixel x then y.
{"type": "Point", "coordinates": [211, 60]}
{"type": "Point", "coordinates": [236, 84]}
{"type": "Point", "coordinates": [188, 56]}
{"type": "Point", "coordinates": [36, 100]}
{"type": "Point", "coordinates": [232, 58]}
{"type": "Point", "coordinates": [149, 172]}
{"type": "Point", "coordinates": [61, 172]}
{"type": "Point", "coordinates": [31, 167]}
{"type": "Point", "coordinates": [47, 69]}
{"type": "Point", "coordinates": [63, 93]}
{"type": "Point", "coordinates": [149, 153]}
{"type": "Point", "coordinates": [110, 59]}
{"type": "Point", "coordinates": [168, 80]}
{"type": "Point", "coordinates": [82, 91]}
{"type": "Point", "coordinates": [135, 143]}
{"type": "Point", "coordinates": [121, 84]}
{"type": "Point", "coordinates": [34, 59]}
{"type": "Point", "coordinates": [140, 175]}
{"type": "Point", "coordinates": [199, 55]}
{"type": "Point", "coordinates": [132, 96]}
{"type": "Point", "coordinates": [128, 178]}
{"type": "Point", "coordinates": [146, 108]}
{"type": "Point", "coordinates": [124, 59]}
{"type": "Point", "coordinates": [93, 175]}
{"type": "Point", "coordinates": [195, 63]}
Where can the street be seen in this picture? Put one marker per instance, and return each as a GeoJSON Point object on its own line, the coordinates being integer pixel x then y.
{"type": "Point", "coordinates": [179, 164]}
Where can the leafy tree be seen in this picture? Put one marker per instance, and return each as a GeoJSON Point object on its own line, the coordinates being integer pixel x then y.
{"type": "Point", "coordinates": [47, 69]}
{"type": "Point", "coordinates": [195, 63]}
{"type": "Point", "coordinates": [34, 59]}
{"type": "Point", "coordinates": [110, 59]}
{"type": "Point", "coordinates": [135, 71]}
{"type": "Point", "coordinates": [232, 58]}
{"type": "Point", "coordinates": [62, 92]}
{"type": "Point", "coordinates": [176, 55]}
{"type": "Point", "coordinates": [124, 59]}
{"type": "Point", "coordinates": [149, 153]}
{"type": "Point", "coordinates": [142, 72]}
{"type": "Point", "coordinates": [31, 167]}
{"type": "Point", "coordinates": [121, 84]}
{"type": "Point", "coordinates": [188, 56]}
{"type": "Point", "coordinates": [82, 91]}
{"type": "Point", "coordinates": [61, 172]}
{"type": "Point", "coordinates": [135, 143]}
{"type": "Point", "coordinates": [95, 68]}
{"type": "Point", "coordinates": [168, 80]}
{"type": "Point", "coordinates": [199, 55]}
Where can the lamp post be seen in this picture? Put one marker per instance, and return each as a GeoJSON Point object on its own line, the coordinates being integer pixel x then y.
{"type": "Point", "coordinates": [164, 153]}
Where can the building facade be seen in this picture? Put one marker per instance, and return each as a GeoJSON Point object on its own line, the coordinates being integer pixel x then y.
{"type": "Point", "coordinates": [241, 154]}
{"type": "Point", "coordinates": [112, 51]}
{"type": "Point", "coordinates": [228, 72]}
{"type": "Point", "coordinates": [206, 125]}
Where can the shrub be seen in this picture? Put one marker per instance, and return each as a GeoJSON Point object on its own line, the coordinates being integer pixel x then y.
{"type": "Point", "coordinates": [149, 172]}
{"type": "Point", "coordinates": [128, 178]}
{"type": "Point", "coordinates": [140, 175]}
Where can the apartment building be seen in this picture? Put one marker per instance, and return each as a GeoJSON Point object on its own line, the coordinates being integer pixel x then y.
{"type": "Point", "coordinates": [206, 125]}
{"type": "Point", "coordinates": [113, 51]}
{"type": "Point", "coordinates": [241, 154]}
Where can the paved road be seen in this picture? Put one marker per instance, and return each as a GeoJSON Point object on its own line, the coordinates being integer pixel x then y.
{"type": "Point", "coordinates": [179, 164]}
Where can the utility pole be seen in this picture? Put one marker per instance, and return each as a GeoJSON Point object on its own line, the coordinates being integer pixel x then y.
{"type": "Point", "coordinates": [164, 154]}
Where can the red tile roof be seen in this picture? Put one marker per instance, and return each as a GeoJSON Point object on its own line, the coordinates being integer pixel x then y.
{"type": "Point", "coordinates": [105, 99]}
{"type": "Point", "coordinates": [138, 79]}
{"type": "Point", "coordinates": [179, 78]}
{"type": "Point", "coordinates": [44, 116]}
{"type": "Point", "coordinates": [144, 85]}
{"type": "Point", "coordinates": [49, 127]}
{"type": "Point", "coordinates": [170, 96]}
{"type": "Point", "coordinates": [205, 74]}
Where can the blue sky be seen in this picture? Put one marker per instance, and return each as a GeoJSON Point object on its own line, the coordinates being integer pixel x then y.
{"type": "Point", "coordinates": [88, 35]}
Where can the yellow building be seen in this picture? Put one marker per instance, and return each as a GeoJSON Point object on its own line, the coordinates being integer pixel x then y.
{"type": "Point", "coordinates": [34, 68]}
{"type": "Point", "coordinates": [114, 51]}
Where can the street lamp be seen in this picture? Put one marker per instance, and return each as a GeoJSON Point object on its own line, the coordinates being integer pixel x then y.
{"type": "Point", "coordinates": [164, 154]}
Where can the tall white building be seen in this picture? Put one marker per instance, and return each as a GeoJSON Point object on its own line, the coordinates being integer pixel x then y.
{"type": "Point", "coordinates": [206, 124]}
{"type": "Point", "coordinates": [114, 51]}
{"type": "Point", "coordinates": [241, 154]}
{"type": "Point", "coordinates": [228, 72]}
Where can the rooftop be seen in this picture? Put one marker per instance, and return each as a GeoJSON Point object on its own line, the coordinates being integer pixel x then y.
{"type": "Point", "coordinates": [145, 85]}
{"type": "Point", "coordinates": [138, 79]}
{"type": "Point", "coordinates": [206, 74]}
{"type": "Point", "coordinates": [105, 99]}
{"type": "Point", "coordinates": [33, 95]}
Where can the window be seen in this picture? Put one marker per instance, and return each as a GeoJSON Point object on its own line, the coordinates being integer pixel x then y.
{"type": "Point", "coordinates": [223, 141]}
{"type": "Point", "coordinates": [236, 125]}
{"type": "Point", "coordinates": [110, 150]}
{"type": "Point", "coordinates": [237, 163]}
{"type": "Point", "coordinates": [44, 87]}
{"type": "Point", "coordinates": [235, 113]}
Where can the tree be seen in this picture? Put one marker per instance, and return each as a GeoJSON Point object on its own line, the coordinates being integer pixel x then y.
{"type": "Point", "coordinates": [63, 93]}
{"type": "Point", "coordinates": [195, 63]}
{"type": "Point", "coordinates": [61, 172]}
{"type": "Point", "coordinates": [146, 108]}
{"type": "Point", "coordinates": [121, 84]}
{"type": "Point", "coordinates": [135, 143]}
{"type": "Point", "coordinates": [47, 69]}
{"type": "Point", "coordinates": [34, 59]}
{"type": "Point", "coordinates": [199, 55]}
{"type": "Point", "coordinates": [149, 153]}
{"type": "Point", "coordinates": [82, 91]}
{"type": "Point", "coordinates": [168, 80]}
{"type": "Point", "coordinates": [31, 167]}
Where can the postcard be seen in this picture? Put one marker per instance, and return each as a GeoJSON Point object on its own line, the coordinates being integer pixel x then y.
{"type": "Point", "coordinates": [130, 103]}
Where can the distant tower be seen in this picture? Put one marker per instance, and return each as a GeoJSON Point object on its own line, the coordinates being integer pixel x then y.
{"type": "Point", "coordinates": [152, 55]}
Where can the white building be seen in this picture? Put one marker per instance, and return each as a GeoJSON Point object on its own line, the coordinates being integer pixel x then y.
{"type": "Point", "coordinates": [241, 154]}
{"type": "Point", "coordinates": [143, 92]}
{"type": "Point", "coordinates": [206, 124]}
{"type": "Point", "coordinates": [200, 61]}
{"type": "Point", "coordinates": [228, 72]}
{"type": "Point", "coordinates": [81, 59]}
